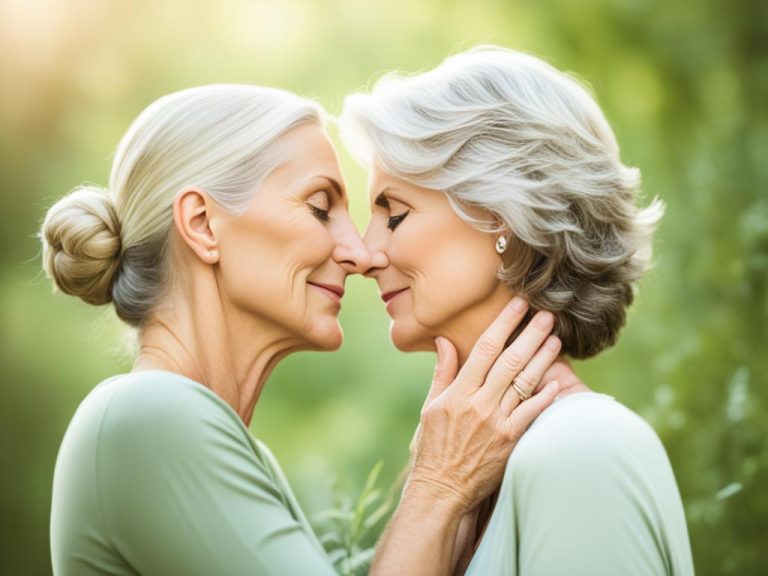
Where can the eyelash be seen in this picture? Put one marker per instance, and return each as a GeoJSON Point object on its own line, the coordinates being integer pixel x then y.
{"type": "Point", "coordinates": [394, 221]}
{"type": "Point", "coordinates": [319, 213]}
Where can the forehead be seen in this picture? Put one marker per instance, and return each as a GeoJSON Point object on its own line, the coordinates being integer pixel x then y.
{"type": "Point", "coordinates": [378, 180]}
{"type": "Point", "coordinates": [306, 151]}
{"type": "Point", "coordinates": [381, 182]}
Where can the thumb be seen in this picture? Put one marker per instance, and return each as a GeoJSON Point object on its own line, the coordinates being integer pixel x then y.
{"type": "Point", "coordinates": [446, 368]}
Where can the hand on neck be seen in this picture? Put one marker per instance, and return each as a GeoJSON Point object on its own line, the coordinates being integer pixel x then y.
{"type": "Point", "coordinates": [465, 332]}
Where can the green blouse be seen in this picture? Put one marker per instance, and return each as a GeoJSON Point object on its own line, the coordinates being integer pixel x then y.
{"type": "Point", "coordinates": [588, 491]}
{"type": "Point", "coordinates": [157, 475]}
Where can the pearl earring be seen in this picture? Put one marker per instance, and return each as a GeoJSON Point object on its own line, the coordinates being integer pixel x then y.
{"type": "Point", "coordinates": [501, 244]}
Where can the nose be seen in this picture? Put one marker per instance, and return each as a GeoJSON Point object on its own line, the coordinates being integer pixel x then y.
{"type": "Point", "coordinates": [350, 252]}
{"type": "Point", "coordinates": [376, 243]}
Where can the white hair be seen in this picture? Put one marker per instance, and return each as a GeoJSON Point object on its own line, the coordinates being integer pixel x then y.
{"type": "Point", "coordinates": [111, 245]}
{"type": "Point", "coordinates": [506, 132]}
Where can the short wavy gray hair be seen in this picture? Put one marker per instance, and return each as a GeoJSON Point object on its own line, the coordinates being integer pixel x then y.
{"type": "Point", "coordinates": [506, 132]}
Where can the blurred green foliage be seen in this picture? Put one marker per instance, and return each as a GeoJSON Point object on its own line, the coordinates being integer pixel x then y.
{"type": "Point", "coordinates": [685, 85]}
{"type": "Point", "coordinates": [344, 529]}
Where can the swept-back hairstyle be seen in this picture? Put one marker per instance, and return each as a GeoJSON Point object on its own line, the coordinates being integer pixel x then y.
{"type": "Point", "coordinates": [506, 132]}
{"type": "Point", "coordinates": [111, 245]}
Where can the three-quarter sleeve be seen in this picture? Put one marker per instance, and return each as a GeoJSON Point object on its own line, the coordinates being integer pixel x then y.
{"type": "Point", "coordinates": [182, 488]}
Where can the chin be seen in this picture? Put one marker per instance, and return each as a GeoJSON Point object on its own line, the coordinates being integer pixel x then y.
{"type": "Point", "coordinates": [411, 337]}
{"type": "Point", "coordinates": [325, 336]}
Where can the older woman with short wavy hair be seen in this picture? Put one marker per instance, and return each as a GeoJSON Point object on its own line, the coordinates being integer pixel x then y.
{"type": "Point", "coordinates": [496, 174]}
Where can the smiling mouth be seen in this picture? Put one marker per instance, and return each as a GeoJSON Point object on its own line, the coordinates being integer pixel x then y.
{"type": "Point", "coordinates": [387, 296]}
{"type": "Point", "coordinates": [334, 292]}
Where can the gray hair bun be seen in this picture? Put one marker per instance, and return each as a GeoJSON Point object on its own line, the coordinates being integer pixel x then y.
{"type": "Point", "coordinates": [81, 244]}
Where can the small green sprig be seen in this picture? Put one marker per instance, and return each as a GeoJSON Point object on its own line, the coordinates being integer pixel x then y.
{"type": "Point", "coordinates": [343, 528]}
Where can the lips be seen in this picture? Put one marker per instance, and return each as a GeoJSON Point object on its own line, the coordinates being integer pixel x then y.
{"type": "Point", "coordinates": [387, 296]}
{"type": "Point", "coordinates": [338, 291]}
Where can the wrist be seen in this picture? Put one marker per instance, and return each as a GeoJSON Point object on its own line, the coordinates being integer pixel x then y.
{"type": "Point", "coordinates": [436, 495]}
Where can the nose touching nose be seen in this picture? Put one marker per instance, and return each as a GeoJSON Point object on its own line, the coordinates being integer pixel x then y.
{"type": "Point", "coordinates": [356, 255]}
{"type": "Point", "coordinates": [375, 244]}
{"type": "Point", "coordinates": [351, 252]}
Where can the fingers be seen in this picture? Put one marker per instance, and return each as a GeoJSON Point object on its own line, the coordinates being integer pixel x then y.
{"type": "Point", "coordinates": [518, 354]}
{"type": "Point", "coordinates": [488, 347]}
{"type": "Point", "coordinates": [561, 371]}
{"type": "Point", "coordinates": [528, 411]}
{"type": "Point", "coordinates": [528, 379]}
{"type": "Point", "coordinates": [445, 369]}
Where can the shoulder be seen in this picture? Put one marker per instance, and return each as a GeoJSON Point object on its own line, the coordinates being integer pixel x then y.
{"type": "Point", "coordinates": [158, 398]}
{"type": "Point", "coordinates": [591, 470]}
{"type": "Point", "coordinates": [160, 429]}
{"type": "Point", "coordinates": [588, 429]}
{"type": "Point", "coordinates": [163, 415]}
{"type": "Point", "coordinates": [175, 468]}
{"type": "Point", "coordinates": [590, 446]}
{"type": "Point", "coordinates": [155, 388]}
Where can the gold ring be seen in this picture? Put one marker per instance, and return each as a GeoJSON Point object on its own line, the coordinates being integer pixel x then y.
{"type": "Point", "coordinates": [520, 391]}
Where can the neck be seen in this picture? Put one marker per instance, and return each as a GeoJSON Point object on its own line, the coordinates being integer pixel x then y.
{"type": "Point", "coordinates": [198, 336]}
{"type": "Point", "coordinates": [466, 328]}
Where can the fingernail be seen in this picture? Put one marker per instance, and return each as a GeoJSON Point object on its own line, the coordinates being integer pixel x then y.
{"type": "Point", "coordinates": [553, 387]}
{"type": "Point", "coordinates": [545, 319]}
{"type": "Point", "coordinates": [439, 344]}
{"type": "Point", "coordinates": [553, 343]}
{"type": "Point", "coordinates": [518, 304]}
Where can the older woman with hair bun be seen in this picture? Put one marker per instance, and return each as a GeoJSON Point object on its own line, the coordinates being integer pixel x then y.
{"type": "Point", "coordinates": [224, 239]}
{"type": "Point", "coordinates": [495, 175]}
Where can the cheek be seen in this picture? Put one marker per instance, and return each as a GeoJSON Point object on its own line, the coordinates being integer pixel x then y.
{"type": "Point", "coordinates": [456, 277]}
{"type": "Point", "coordinates": [265, 261]}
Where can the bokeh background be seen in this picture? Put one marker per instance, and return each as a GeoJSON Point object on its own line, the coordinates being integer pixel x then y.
{"type": "Point", "coordinates": [685, 85]}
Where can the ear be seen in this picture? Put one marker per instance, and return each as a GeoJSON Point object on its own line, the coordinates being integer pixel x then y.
{"type": "Point", "coordinates": [498, 225]}
{"type": "Point", "coordinates": [191, 216]}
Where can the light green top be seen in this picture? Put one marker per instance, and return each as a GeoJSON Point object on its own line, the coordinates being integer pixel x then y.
{"type": "Point", "coordinates": [588, 491]}
{"type": "Point", "coordinates": [157, 475]}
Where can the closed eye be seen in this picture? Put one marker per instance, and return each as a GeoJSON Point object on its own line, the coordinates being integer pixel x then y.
{"type": "Point", "coordinates": [319, 213]}
{"type": "Point", "coordinates": [394, 221]}
{"type": "Point", "coordinates": [319, 204]}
